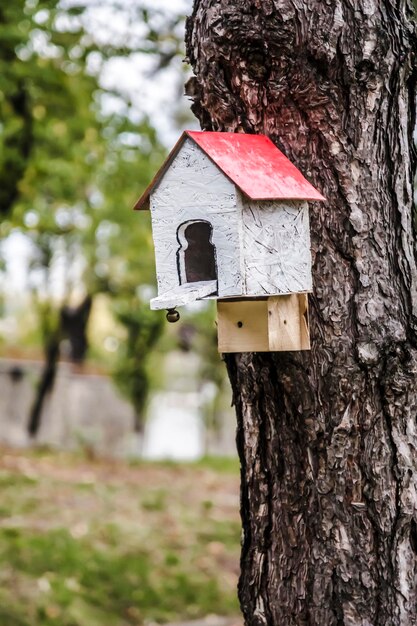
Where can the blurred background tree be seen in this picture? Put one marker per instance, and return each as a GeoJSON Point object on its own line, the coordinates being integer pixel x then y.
{"type": "Point", "coordinates": [73, 156]}
{"type": "Point", "coordinates": [144, 329]}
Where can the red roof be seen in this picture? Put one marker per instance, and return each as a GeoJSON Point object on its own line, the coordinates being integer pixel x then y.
{"type": "Point", "coordinates": [252, 162]}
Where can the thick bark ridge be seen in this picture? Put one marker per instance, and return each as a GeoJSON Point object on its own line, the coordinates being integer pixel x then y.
{"type": "Point", "coordinates": [327, 440]}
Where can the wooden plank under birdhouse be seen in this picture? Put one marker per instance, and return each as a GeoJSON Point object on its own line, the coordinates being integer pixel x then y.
{"type": "Point", "coordinates": [242, 326]}
{"type": "Point", "coordinates": [287, 324]}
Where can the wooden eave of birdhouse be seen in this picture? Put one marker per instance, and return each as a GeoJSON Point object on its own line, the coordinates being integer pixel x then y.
{"type": "Point", "coordinates": [252, 162]}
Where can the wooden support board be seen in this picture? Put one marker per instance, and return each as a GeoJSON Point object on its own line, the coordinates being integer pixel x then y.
{"type": "Point", "coordinates": [275, 324]}
{"type": "Point", "coordinates": [242, 326]}
{"type": "Point", "coordinates": [287, 323]}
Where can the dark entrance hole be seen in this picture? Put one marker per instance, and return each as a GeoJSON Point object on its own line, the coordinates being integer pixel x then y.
{"type": "Point", "coordinates": [197, 255]}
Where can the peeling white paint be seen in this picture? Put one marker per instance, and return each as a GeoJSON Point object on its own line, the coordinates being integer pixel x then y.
{"type": "Point", "coordinates": [276, 247]}
{"type": "Point", "coordinates": [194, 188]}
{"type": "Point", "coordinates": [184, 294]}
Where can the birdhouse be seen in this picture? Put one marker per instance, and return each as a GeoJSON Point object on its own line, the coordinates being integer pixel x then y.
{"type": "Point", "coordinates": [230, 221]}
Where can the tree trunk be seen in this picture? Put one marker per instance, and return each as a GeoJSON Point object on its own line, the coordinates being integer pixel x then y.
{"type": "Point", "coordinates": [46, 382]}
{"type": "Point", "coordinates": [72, 324]}
{"type": "Point", "coordinates": [15, 107]}
{"type": "Point", "coordinates": [74, 321]}
{"type": "Point", "coordinates": [328, 439]}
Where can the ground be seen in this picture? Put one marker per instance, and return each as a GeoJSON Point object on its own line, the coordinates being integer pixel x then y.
{"type": "Point", "coordinates": [101, 543]}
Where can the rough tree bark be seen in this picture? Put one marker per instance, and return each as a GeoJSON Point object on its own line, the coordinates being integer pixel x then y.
{"type": "Point", "coordinates": [328, 440]}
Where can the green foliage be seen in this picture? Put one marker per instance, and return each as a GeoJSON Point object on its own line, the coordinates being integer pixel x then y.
{"type": "Point", "coordinates": [202, 330]}
{"type": "Point", "coordinates": [118, 242]}
{"type": "Point", "coordinates": [222, 465]}
{"type": "Point", "coordinates": [71, 174]}
{"type": "Point", "coordinates": [72, 186]}
{"type": "Point", "coordinates": [156, 501]}
{"type": "Point", "coordinates": [218, 464]}
{"type": "Point", "coordinates": [144, 328]}
{"type": "Point", "coordinates": [49, 320]}
{"type": "Point", "coordinates": [15, 116]}
{"type": "Point", "coordinates": [45, 107]}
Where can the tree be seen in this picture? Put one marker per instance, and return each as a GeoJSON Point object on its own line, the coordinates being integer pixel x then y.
{"type": "Point", "coordinates": [43, 82]}
{"type": "Point", "coordinates": [327, 440]}
{"type": "Point", "coordinates": [16, 131]}
{"type": "Point", "coordinates": [64, 168]}
{"type": "Point", "coordinates": [144, 328]}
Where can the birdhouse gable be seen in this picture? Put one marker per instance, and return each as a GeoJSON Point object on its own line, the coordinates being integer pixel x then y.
{"type": "Point", "coordinates": [195, 225]}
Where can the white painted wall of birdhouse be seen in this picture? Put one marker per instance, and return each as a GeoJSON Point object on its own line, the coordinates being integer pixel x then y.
{"type": "Point", "coordinates": [194, 188]}
{"type": "Point", "coordinates": [276, 247]}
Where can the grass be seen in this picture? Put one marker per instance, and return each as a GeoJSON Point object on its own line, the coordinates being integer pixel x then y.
{"type": "Point", "coordinates": [111, 544]}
